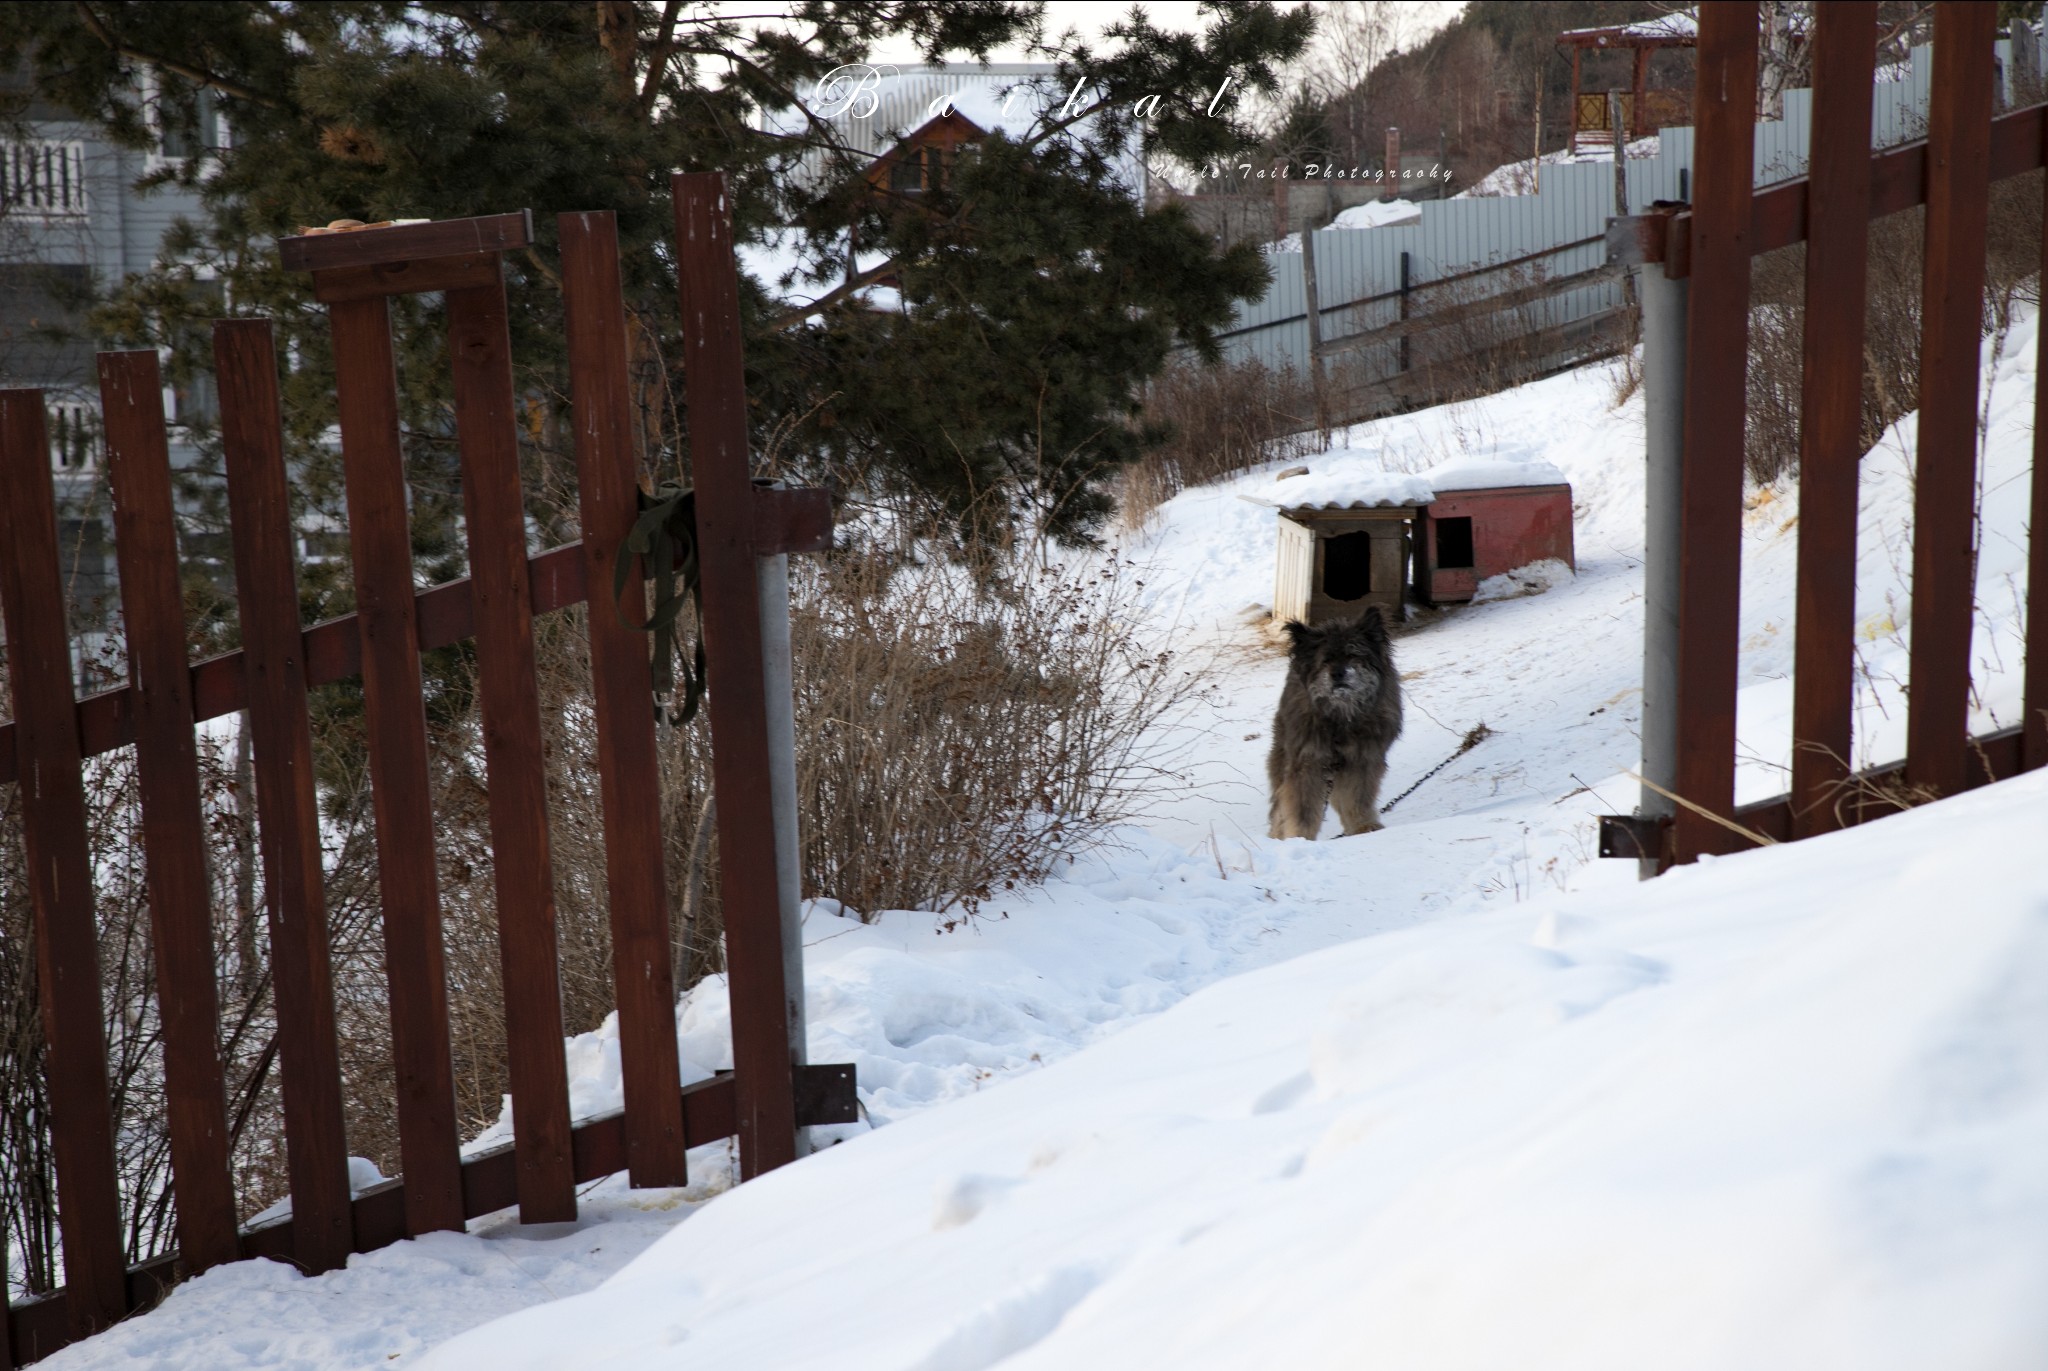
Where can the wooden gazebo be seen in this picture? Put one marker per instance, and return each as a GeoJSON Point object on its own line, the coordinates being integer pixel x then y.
{"type": "Point", "coordinates": [1643, 110]}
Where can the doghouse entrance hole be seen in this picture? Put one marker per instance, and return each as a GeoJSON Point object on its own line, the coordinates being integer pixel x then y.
{"type": "Point", "coordinates": [1347, 565]}
{"type": "Point", "coordinates": [1454, 544]}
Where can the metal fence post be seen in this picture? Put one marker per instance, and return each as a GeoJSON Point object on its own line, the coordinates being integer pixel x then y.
{"type": "Point", "coordinates": [1664, 312]}
{"type": "Point", "coordinates": [1639, 242]}
{"type": "Point", "coordinates": [778, 684]}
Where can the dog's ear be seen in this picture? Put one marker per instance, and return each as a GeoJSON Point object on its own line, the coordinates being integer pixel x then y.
{"type": "Point", "coordinates": [1300, 635]}
{"type": "Point", "coordinates": [1373, 625]}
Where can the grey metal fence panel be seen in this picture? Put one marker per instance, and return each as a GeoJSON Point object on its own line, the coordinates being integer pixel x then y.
{"type": "Point", "coordinates": [1573, 203]}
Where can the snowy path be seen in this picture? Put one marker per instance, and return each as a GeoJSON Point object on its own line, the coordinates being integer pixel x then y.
{"type": "Point", "coordinates": [1452, 1094]}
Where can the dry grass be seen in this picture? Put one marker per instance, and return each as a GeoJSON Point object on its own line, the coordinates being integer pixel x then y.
{"type": "Point", "coordinates": [960, 739]}
{"type": "Point", "coordinates": [1891, 336]}
{"type": "Point", "coordinates": [1220, 420]}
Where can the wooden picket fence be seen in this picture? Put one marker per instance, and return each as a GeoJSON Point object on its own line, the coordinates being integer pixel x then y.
{"type": "Point", "coordinates": [1711, 243]}
{"type": "Point", "coordinates": [43, 749]}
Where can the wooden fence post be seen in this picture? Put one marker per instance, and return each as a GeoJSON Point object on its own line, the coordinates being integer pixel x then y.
{"type": "Point", "coordinates": [1405, 309]}
{"type": "Point", "coordinates": [713, 368]}
{"type": "Point", "coordinates": [1717, 345]}
{"type": "Point", "coordinates": [274, 659]}
{"type": "Point", "coordinates": [1831, 413]}
{"type": "Point", "coordinates": [380, 545]}
{"type": "Point", "coordinates": [167, 757]}
{"type": "Point", "coordinates": [60, 871]}
{"type": "Point", "coordinates": [623, 698]}
{"type": "Point", "coordinates": [2034, 729]}
{"type": "Point", "coordinates": [1318, 377]}
{"type": "Point", "coordinates": [480, 347]}
{"type": "Point", "coordinates": [1951, 333]}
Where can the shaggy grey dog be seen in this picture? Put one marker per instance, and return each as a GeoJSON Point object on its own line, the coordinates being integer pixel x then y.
{"type": "Point", "coordinates": [1339, 713]}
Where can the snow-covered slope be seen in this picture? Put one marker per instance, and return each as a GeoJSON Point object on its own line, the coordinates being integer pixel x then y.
{"type": "Point", "coordinates": [1453, 1094]}
{"type": "Point", "coordinates": [1787, 1111]}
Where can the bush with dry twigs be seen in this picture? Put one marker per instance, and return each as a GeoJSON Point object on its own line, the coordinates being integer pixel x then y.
{"type": "Point", "coordinates": [1220, 419]}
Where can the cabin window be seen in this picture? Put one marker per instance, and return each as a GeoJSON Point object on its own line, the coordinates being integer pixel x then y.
{"type": "Point", "coordinates": [907, 176]}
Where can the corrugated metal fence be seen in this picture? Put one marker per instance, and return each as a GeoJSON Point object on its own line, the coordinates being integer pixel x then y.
{"type": "Point", "coordinates": [1550, 235]}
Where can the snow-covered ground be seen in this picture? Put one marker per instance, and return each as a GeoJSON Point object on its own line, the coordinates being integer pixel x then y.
{"type": "Point", "coordinates": [1455, 1094]}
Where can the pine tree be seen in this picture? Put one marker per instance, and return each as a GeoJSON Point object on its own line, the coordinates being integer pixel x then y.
{"type": "Point", "coordinates": [1038, 295]}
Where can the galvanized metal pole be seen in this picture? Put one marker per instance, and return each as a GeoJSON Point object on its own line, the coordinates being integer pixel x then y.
{"type": "Point", "coordinates": [1664, 306]}
{"type": "Point", "coordinates": [778, 679]}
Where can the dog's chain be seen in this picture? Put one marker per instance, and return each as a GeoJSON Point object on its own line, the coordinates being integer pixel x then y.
{"type": "Point", "coordinates": [1478, 734]}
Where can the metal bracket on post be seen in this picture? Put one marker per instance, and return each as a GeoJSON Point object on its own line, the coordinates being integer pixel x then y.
{"type": "Point", "coordinates": [1640, 241]}
{"type": "Point", "coordinates": [1640, 837]}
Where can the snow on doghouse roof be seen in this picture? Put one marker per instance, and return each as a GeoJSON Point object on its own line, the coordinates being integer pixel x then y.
{"type": "Point", "coordinates": [1492, 473]}
{"type": "Point", "coordinates": [1345, 489]}
{"type": "Point", "coordinates": [1373, 489]}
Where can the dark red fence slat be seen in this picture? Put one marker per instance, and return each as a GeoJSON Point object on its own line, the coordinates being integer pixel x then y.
{"type": "Point", "coordinates": [59, 870]}
{"type": "Point", "coordinates": [2034, 725]}
{"type": "Point", "coordinates": [1945, 470]}
{"type": "Point", "coordinates": [380, 544]}
{"type": "Point", "coordinates": [252, 440]}
{"type": "Point", "coordinates": [1831, 411]}
{"type": "Point", "coordinates": [480, 348]}
{"type": "Point", "coordinates": [715, 378]}
{"type": "Point", "coordinates": [174, 821]}
{"type": "Point", "coordinates": [629, 780]}
{"type": "Point", "coordinates": [1717, 342]}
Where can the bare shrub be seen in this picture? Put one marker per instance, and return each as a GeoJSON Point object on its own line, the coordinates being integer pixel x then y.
{"type": "Point", "coordinates": [1220, 419]}
{"type": "Point", "coordinates": [1777, 314]}
{"type": "Point", "coordinates": [958, 739]}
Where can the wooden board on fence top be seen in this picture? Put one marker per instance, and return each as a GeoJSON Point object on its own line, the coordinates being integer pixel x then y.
{"type": "Point", "coordinates": [174, 820]}
{"type": "Point", "coordinates": [252, 440]}
{"type": "Point", "coordinates": [59, 870]}
{"type": "Point", "coordinates": [407, 242]}
{"type": "Point", "coordinates": [332, 285]}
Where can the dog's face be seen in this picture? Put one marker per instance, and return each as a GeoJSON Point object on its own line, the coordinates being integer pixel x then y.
{"type": "Point", "coordinates": [1342, 666]}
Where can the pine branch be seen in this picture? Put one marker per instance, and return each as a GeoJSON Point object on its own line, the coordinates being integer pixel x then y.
{"type": "Point", "coordinates": [657, 62]}
{"type": "Point", "coordinates": [210, 79]}
{"type": "Point", "coordinates": [838, 295]}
